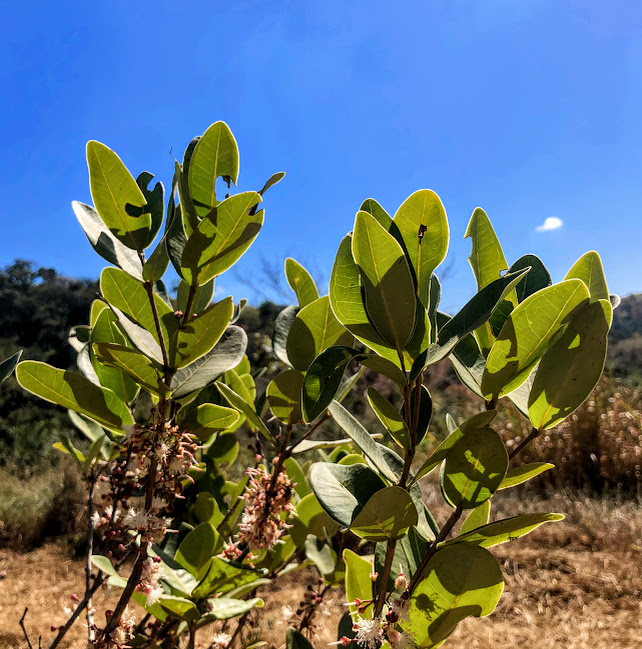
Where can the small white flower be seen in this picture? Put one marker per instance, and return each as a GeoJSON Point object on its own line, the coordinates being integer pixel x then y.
{"type": "Point", "coordinates": [403, 640]}
{"type": "Point", "coordinates": [401, 608]}
{"type": "Point", "coordinates": [221, 639]}
{"type": "Point", "coordinates": [368, 633]}
{"type": "Point", "coordinates": [137, 519]}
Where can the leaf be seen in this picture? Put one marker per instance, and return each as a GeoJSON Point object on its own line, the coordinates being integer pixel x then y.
{"type": "Point", "coordinates": [362, 438]}
{"type": "Point", "coordinates": [388, 287]}
{"type": "Point", "coordinates": [589, 269]}
{"type": "Point", "coordinates": [480, 420]}
{"type": "Point", "coordinates": [221, 238]}
{"type": "Point", "coordinates": [391, 420]}
{"type": "Point", "coordinates": [215, 155]}
{"type": "Point", "coordinates": [114, 376]}
{"type": "Point", "coordinates": [474, 468]}
{"type": "Point", "coordinates": [241, 404]}
{"type": "Point", "coordinates": [225, 608]}
{"type": "Point", "coordinates": [313, 444]}
{"type": "Point", "coordinates": [140, 337]}
{"type": "Point", "coordinates": [314, 329]}
{"type": "Point", "coordinates": [75, 392]}
{"type": "Point", "coordinates": [272, 180]}
{"type": "Point", "coordinates": [296, 640]}
{"type": "Point", "coordinates": [297, 477]}
{"type": "Point", "coordinates": [384, 219]}
{"type": "Point", "coordinates": [521, 474]}
{"type": "Point", "coordinates": [134, 363]}
{"type": "Point", "coordinates": [104, 564]}
{"type": "Point", "coordinates": [175, 237]}
{"type": "Point", "coordinates": [155, 206]}
{"type": "Point", "coordinates": [199, 335]}
{"type": "Point", "coordinates": [357, 580]}
{"type": "Point", "coordinates": [343, 490]}
{"type": "Point", "coordinates": [526, 335]}
{"type": "Point", "coordinates": [321, 554]}
{"type": "Point", "coordinates": [507, 529]}
{"type": "Point", "coordinates": [477, 517]}
{"type": "Point", "coordinates": [460, 580]}
{"type": "Point", "coordinates": [208, 418]}
{"type": "Point", "coordinates": [323, 380]}
{"type": "Point", "coordinates": [197, 548]}
{"type": "Point", "coordinates": [347, 303]}
{"type": "Point", "coordinates": [301, 282]}
{"type": "Point", "coordinates": [537, 278]}
{"type": "Point", "coordinates": [311, 518]}
{"type": "Point", "coordinates": [386, 516]}
{"type": "Point", "coordinates": [105, 243]}
{"type": "Point", "coordinates": [284, 396]}
{"type": "Point", "coordinates": [129, 296]}
{"type": "Point", "coordinates": [227, 353]}
{"type": "Point", "coordinates": [114, 192]}
{"type": "Point", "coordinates": [487, 261]}
{"type": "Point", "coordinates": [180, 607]}
{"type": "Point", "coordinates": [8, 365]}
{"type": "Point", "coordinates": [422, 222]}
{"type": "Point", "coordinates": [282, 326]}
{"type": "Point", "coordinates": [205, 510]}
{"type": "Point", "coordinates": [469, 363]}
{"type": "Point", "coordinates": [571, 368]}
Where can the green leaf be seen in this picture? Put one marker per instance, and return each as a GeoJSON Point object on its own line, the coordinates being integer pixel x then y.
{"type": "Point", "coordinates": [105, 330]}
{"type": "Point", "coordinates": [526, 335]}
{"type": "Point", "coordinates": [221, 238]}
{"type": "Point", "coordinates": [386, 516]}
{"type": "Point", "coordinates": [226, 354]}
{"type": "Point", "coordinates": [571, 368]}
{"type": "Point", "coordinates": [422, 222]}
{"type": "Point", "coordinates": [197, 548]}
{"type": "Point", "coordinates": [296, 475]}
{"type": "Point", "coordinates": [105, 243]}
{"type": "Point", "coordinates": [357, 579]}
{"type": "Point", "coordinates": [199, 335]}
{"type": "Point", "coordinates": [474, 468]}
{"type": "Point", "coordinates": [314, 329]}
{"type": "Point", "coordinates": [505, 530]}
{"type": "Point", "coordinates": [129, 296]}
{"type": "Point", "coordinates": [460, 580]}
{"type": "Point", "coordinates": [323, 380]}
{"type": "Point", "coordinates": [8, 365]}
{"type": "Point", "coordinates": [225, 608]}
{"type": "Point", "coordinates": [477, 517]}
{"type": "Point", "coordinates": [104, 564]}
{"type": "Point", "coordinates": [296, 640]}
{"type": "Point", "coordinates": [480, 420]}
{"type": "Point", "coordinates": [175, 237]}
{"type": "Point", "coordinates": [589, 269]}
{"type": "Point", "coordinates": [537, 278]}
{"type": "Point", "coordinates": [282, 326]}
{"type": "Point", "coordinates": [139, 337]}
{"type": "Point", "coordinates": [74, 391]}
{"type": "Point", "coordinates": [388, 287]}
{"type": "Point", "coordinates": [216, 155]}
{"type": "Point", "coordinates": [521, 474]}
{"type": "Point", "coordinates": [321, 554]}
{"type": "Point", "coordinates": [487, 261]}
{"type": "Point", "coordinates": [301, 282]}
{"type": "Point", "coordinates": [272, 180]}
{"type": "Point", "coordinates": [244, 406]}
{"type": "Point", "coordinates": [391, 420]}
{"type": "Point", "coordinates": [209, 418]}
{"type": "Point", "coordinates": [132, 362]}
{"type": "Point", "coordinates": [343, 490]}
{"type": "Point", "coordinates": [311, 518]}
{"type": "Point", "coordinates": [384, 219]}
{"type": "Point", "coordinates": [469, 363]}
{"type": "Point", "coordinates": [206, 510]}
{"type": "Point", "coordinates": [312, 444]}
{"type": "Point", "coordinates": [347, 302]}
{"type": "Point", "coordinates": [362, 438]}
{"type": "Point", "coordinates": [180, 607]}
{"type": "Point", "coordinates": [284, 396]}
{"type": "Point", "coordinates": [155, 206]}
{"type": "Point", "coordinates": [115, 193]}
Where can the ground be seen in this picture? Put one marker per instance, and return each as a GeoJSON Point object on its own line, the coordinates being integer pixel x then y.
{"type": "Point", "coordinates": [586, 593]}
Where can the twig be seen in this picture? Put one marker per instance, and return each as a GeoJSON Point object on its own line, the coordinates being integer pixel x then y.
{"type": "Point", "coordinates": [91, 637]}
{"type": "Point", "coordinates": [22, 625]}
{"type": "Point", "coordinates": [524, 443]}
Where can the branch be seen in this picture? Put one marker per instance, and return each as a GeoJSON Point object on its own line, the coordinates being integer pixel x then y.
{"type": "Point", "coordinates": [22, 626]}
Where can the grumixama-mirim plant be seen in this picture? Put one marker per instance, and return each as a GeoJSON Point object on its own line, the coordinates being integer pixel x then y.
{"type": "Point", "coordinates": [164, 391]}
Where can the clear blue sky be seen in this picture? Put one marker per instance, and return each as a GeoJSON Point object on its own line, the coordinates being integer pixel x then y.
{"type": "Point", "coordinates": [530, 109]}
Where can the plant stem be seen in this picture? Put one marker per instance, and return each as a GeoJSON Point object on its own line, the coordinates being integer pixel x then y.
{"type": "Point", "coordinates": [309, 432]}
{"type": "Point", "coordinates": [90, 550]}
{"type": "Point", "coordinates": [188, 306]}
{"type": "Point", "coordinates": [159, 331]}
{"type": "Point", "coordinates": [432, 549]}
{"type": "Point", "coordinates": [24, 631]}
{"type": "Point", "coordinates": [385, 577]}
{"type": "Point", "coordinates": [524, 443]}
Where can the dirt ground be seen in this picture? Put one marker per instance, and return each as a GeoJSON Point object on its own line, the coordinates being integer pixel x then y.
{"type": "Point", "coordinates": [585, 594]}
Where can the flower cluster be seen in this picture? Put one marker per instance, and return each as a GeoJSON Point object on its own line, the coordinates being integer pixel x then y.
{"type": "Point", "coordinates": [268, 497]}
{"type": "Point", "coordinates": [149, 583]}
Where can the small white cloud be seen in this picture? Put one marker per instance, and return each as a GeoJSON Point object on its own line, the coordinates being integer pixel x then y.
{"type": "Point", "coordinates": [551, 223]}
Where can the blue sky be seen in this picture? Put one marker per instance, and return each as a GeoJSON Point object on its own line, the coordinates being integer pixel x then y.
{"type": "Point", "coordinates": [529, 109]}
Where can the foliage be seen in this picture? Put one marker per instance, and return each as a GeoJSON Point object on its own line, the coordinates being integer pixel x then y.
{"type": "Point", "coordinates": [165, 385]}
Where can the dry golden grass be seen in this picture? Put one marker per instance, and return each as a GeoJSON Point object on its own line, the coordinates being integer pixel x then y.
{"type": "Point", "coordinates": [584, 593]}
